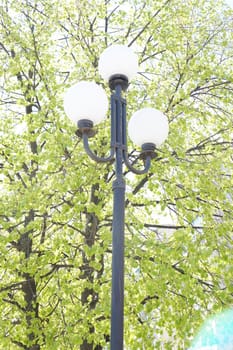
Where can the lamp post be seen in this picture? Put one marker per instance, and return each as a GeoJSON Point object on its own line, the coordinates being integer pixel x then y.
{"type": "Point", "coordinates": [86, 104]}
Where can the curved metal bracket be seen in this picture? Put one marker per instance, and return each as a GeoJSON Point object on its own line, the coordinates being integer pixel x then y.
{"type": "Point", "coordinates": [147, 153]}
{"type": "Point", "coordinates": [85, 131]}
{"type": "Point", "coordinates": [92, 155]}
{"type": "Point", "coordinates": [147, 164]}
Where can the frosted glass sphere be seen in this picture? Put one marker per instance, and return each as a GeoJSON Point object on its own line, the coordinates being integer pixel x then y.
{"type": "Point", "coordinates": [148, 125]}
{"type": "Point", "coordinates": [86, 100]}
{"type": "Point", "coordinates": [118, 59]}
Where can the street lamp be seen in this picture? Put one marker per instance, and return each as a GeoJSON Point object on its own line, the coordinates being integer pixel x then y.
{"type": "Point", "coordinates": [87, 105]}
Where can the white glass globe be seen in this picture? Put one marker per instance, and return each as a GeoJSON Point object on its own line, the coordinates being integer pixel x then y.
{"type": "Point", "coordinates": [148, 125]}
{"type": "Point", "coordinates": [118, 59]}
{"type": "Point", "coordinates": [86, 100]}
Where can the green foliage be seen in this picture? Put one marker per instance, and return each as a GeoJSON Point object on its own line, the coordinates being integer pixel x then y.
{"type": "Point", "coordinates": [56, 205]}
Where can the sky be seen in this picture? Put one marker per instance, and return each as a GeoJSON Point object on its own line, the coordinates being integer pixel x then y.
{"type": "Point", "coordinates": [229, 2]}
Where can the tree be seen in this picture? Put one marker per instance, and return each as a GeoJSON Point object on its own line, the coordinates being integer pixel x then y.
{"type": "Point", "coordinates": [56, 207]}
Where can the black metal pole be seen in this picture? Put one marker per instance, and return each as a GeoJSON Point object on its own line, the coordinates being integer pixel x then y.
{"type": "Point", "coordinates": [117, 306]}
{"type": "Point", "coordinates": [117, 83]}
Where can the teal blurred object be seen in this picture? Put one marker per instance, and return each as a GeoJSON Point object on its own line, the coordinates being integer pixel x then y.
{"type": "Point", "coordinates": [216, 333]}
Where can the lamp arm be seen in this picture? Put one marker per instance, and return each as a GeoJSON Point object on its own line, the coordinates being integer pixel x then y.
{"type": "Point", "coordinates": [147, 164]}
{"type": "Point", "coordinates": [92, 155]}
